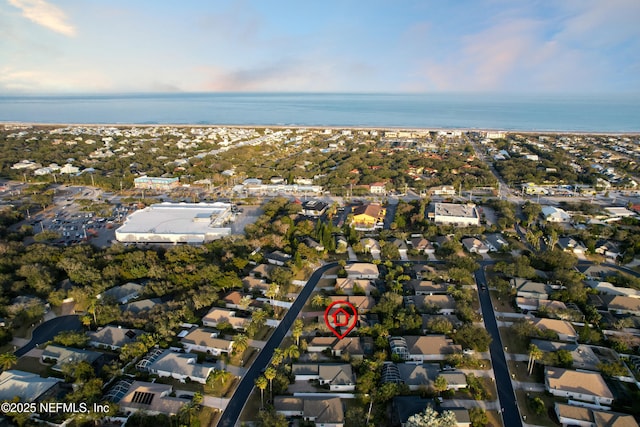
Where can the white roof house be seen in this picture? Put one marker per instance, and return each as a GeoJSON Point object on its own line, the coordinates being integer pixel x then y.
{"type": "Point", "coordinates": [25, 385]}
{"type": "Point", "coordinates": [167, 363]}
{"type": "Point", "coordinates": [553, 214]}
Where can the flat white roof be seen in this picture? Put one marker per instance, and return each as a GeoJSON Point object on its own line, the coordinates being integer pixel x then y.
{"type": "Point", "coordinates": [456, 210]}
{"type": "Point", "coordinates": [187, 222]}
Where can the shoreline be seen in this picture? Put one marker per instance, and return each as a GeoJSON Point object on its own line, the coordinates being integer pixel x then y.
{"type": "Point", "coordinates": [321, 127]}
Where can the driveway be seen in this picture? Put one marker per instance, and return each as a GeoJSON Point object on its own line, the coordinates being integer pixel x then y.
{"type": "Point", "coordinates": [50, 329]}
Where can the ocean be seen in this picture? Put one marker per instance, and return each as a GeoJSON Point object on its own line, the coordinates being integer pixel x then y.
{"type": "Point", "coordinates": [563, 113]}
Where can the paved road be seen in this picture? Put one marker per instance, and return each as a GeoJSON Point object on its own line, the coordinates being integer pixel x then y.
{"type": "Point", "coordinates": [230, 416]}
{"type": "Point", "coordinates": [50, 329]}
{"type": "Point", "coordinates": [506, 395]}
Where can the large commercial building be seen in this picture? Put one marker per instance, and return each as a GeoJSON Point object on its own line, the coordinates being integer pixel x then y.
{"type": "Point", "coordinates": [177, 223]}
{"type": "Point", "coordinates": [456, 214]}
{"type": "Point", "coordinates": [156, 183]}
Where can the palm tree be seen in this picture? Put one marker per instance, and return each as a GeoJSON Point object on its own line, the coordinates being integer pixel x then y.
{"type": "Point", "coordinates": [218, 374]}
{"type": "Point", "coordinates": [278, 357]}
{"type": "Point", "coordinates": [292, 352]}
{"type": "Point", "coordinates": [534, 354]}
{"type": "Point", "coordinates": [244, 302]}
{"type": "Point", "coordinates": [318, 301]}
{"type": "Point", "coordinates": [240, 343]}
{"type": "Point", "coordinates": [296, 331]}
{"type": "Point", "coordinates": [261, 383]}
{"type": "Point", "coordinates": [270, 373]}
{"type": "Point", "coordinates": [272, 292]}
{"type": "Point", "coordinates": [7, 360]}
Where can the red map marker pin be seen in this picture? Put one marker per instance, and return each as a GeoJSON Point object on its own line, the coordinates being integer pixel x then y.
{"type": "Point", "coordinates": [340, 314]}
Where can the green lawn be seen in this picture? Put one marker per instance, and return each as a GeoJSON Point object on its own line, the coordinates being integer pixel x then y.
{"type": "Point", "coordinates": [495, 420]}
{"type": "Point", "coordinates": [208, 417]}
{"type": "Point", "coordinates": [222, 390]}
{"type": "Point", "coordinates": [532, 417]}
{"type": "Point", "coordinates": [32, 364]}
{"type": "Point", "coordinates": [501, 304]}
{"type": "Point", "coordinates": [513, 343]}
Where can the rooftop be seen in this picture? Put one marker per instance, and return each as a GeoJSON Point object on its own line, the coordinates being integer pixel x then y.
{"type": "Point", "coordinates": [196, 222]}
{"type": "Point", "coordinates": [457, 210]}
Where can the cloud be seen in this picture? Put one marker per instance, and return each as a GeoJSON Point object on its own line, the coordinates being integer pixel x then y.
{"type": "Point", "coordinates": [45, 14]}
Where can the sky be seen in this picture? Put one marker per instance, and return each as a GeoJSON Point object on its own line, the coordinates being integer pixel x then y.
{"type": "Point", "coordinates": [395, 46]}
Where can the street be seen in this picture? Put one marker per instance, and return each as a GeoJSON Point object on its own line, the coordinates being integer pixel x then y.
{"type": "Point", "coordinates": [50, 329]}
{"type": "Point", "coordinates": [506, 395]}
{"type": "Point", "coordinates": [231, 415]}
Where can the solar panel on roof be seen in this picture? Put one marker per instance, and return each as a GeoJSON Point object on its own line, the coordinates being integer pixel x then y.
{"type": "Point", "coordinates": [130, 334]}
{"type": "Point", "coordinates": [142, 397]}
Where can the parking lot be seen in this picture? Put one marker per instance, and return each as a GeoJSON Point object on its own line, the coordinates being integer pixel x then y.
{"type": "Point", "coordinates": [248, 214]}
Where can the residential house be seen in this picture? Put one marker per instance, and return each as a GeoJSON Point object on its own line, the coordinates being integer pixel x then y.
{"type": "Point", "coordinates": [206, 341]}
{"type": "Point", "coordinates": [532, 304]}
{"type": "Point", "coordinates": [596, 272]}
{"type": "Point", "coordinates": [554, 214]}
{"type": "Point", "coordinates": [607, 288]}
{"type": "Point", "coordinates": [440, 304]}
{"type": "Point", "coordinates": [371, 246]}
{"type": "Point", "coordinates": [461, 414]}
{"type": "Point", "coordinates": [355, 347]}
{"type": "Point", "coordinates": [122, 294]}
{"type": "Point", "coordinates": [152, 398]}
{"type": "Point", "coordinates": [113, 337]}
{"type": "Point", "coordinates": [427, 287]}
{"type": "Point", "coordinates": [579, 385]}
{"type": "Point", "coordinates": [254, 284]}
{"type": "Point", "coordinates": [569, 244]}
{"type": "Point", "coordinates": [404, 407]}
{"type": "Point", "coordinates": [314, 208]}
{"type": "Point", "coordinates": [564, 329]}
{"type": "Point", "coordinates": [181, 366]}
{"type": "Point", "coordinates": [416, 376]}
{"type": "Point", "coordinates": [622, 304]}
{"type": "Point", "coordinates": [312, 243]}
{"type": "Point", "coordinates": [456, 380]}
{"type": "Point", "coordinates": [421, 348]}
{"type": "Point", "coordinates": [61, 356]}
{"type": "Point", "coordinates": [219, 315]}
{"type": "Point", "coordinates": [261, 271]}
{"type": "Point", "coordinates": [379, 188]}
{"type": "Point", "coordinates": [26, 386]}
{"type": "Point", "coordinates": [360, 270]}
{"type": "Point", "coordinates": [427, 317]}
{"type": "Point", "coordinates": [347, 286]}
{"type": "Point", "coordinates": [142, 305]}
{"type": "Point", "coordinates": [323, 412]}
{"type": "Point", "coordinates": [235, 300]}
{"type": "Point", "coordinates": [583, 355]}
{"type": "Point", "coordinates": [362, 303]}
{"type": "Point", "coordinates": [368, 217]}
{"type": "Point", "coordinates": [423, 245]}
{"type": "Point", "coordinates": [570, 416]}
{"type": "Point", "coordinates": [474, 245]}
{"type": "Point", "coordinates": [320, 344]}
{"type": "Point", "coordinates": [339, 377]}
{"type": "Point", "coordinates": [402, 247]}
{"type": "Point", "coordinates": [424, 271]}
{"type": "Point", "coordinates": [608, 248]}
{"type": "Point", "coordinates": [526, 288]}
{"type": "Point", "coordinates": [496, 242]}
{"type": "Point", "coordinates": [277, 258]}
